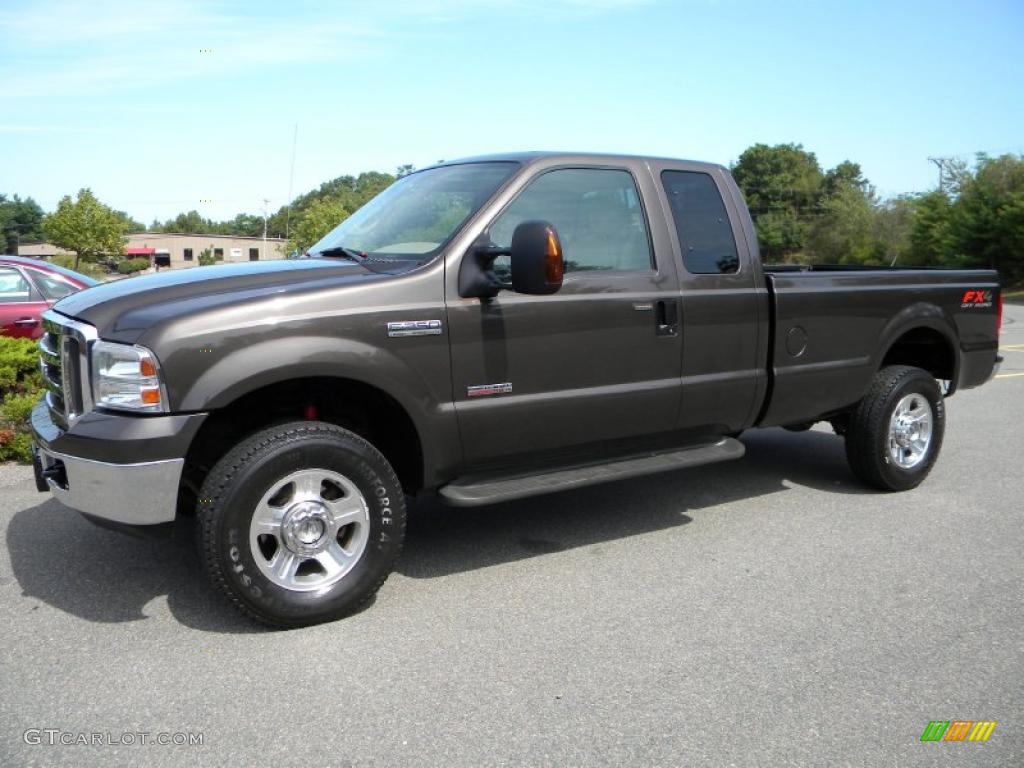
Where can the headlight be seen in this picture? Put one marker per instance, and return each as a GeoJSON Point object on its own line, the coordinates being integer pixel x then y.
{"type": "Point", "coordinates": [125, 377]}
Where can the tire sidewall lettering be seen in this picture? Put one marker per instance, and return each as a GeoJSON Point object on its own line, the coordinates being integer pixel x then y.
{"type": "Point", "coordinates": [239, 567]}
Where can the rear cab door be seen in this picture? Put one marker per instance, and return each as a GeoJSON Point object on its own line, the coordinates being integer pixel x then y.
{"type": "Point", "coordinates": [725, 314]}
{"type": "Point", "coordinates": [595, 364]}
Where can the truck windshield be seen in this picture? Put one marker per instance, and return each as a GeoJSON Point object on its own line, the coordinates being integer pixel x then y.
{"type": "Point", "coordinates": [419, 213]}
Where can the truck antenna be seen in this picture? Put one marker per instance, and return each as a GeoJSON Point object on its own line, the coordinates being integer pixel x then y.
{"type": "Point", "coordinates": [291, 181]}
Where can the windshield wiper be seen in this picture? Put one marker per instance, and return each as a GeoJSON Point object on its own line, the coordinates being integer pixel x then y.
{"type": "Point", "coordinates": [341, 250]}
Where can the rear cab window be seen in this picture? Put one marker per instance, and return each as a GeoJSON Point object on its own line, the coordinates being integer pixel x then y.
{"type": "Point", "coordinates": [702, 223]}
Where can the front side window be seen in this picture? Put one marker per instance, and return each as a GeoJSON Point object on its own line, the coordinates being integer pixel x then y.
{"type": "Point", "coordinates": [702, 223]}
{"type": "Point", "coordinates": [596, 213]}
{"type": "Point", "coordinates": [14, 288]}
{"type": "Point", "coordinates": [419, 213]}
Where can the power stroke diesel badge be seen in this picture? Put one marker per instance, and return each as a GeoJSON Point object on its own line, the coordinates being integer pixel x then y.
{"type": "Point", "coordinates": [414, 328]}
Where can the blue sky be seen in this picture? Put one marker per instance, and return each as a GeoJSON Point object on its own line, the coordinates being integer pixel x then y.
{"type": "Point", "coordinates": [118, 96]}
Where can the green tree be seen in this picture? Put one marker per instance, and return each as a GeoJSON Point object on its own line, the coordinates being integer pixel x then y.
{"type": "Point", "coordinates": [987, 223]}
{"type": "Point", "coordinates": [894, 223]}
{"type": "Point", "coordinates": [931, 239]}
{"type": "Point", "coordinates": [843, 232]}
{"type": "Point", "coordinates": [131, 225]}
{"type": "Point", "coordinates": [245, 225]}
{"type": "Point", "coordinates": [86, 226]}
{"type": "Point", "coordinates": [206, 258]}
{"type": "Point", "coordinates": [845, 227]}
{"type": "Point", "coordinates": [780, 234]}
{"type": "Point", "coordinates": [782, 186]}
{"type": "Point", "coordinates": [318, 218]}
{"type": "Point", "coordinates": [191, 223]}
{"type": "Point", "coordinates": [352, 192]}
{"type": "Point", "coordinates": [19, 220]}
{"type": "Point", "coordinates": [844, 175]}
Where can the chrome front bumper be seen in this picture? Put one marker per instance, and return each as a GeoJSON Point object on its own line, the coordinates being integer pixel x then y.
{"type": "Point", "coordinates": [133, 494]}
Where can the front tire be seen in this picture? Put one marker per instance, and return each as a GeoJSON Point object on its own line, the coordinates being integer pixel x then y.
{"type": "Point", "coordinates": [894, 435]}
{"type": "Point", "coordinates": [301, 523]}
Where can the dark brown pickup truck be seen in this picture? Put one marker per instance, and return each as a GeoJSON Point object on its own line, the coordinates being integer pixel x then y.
{"type": "Point", "coordinates": [486, 329]}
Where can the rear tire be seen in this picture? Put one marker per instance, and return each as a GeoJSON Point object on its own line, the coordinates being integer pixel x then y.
{"type": "Point", "coordinates": [301, 523]}
{"type": "Point", "coordinates": [894, 435]}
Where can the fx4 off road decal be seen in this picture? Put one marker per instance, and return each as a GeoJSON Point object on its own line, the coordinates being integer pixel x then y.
{"type": "Point", "coordinates": [976, 300]}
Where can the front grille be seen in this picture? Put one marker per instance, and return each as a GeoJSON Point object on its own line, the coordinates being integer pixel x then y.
{"type": "Point", "coordinates": [63, 359]}
{"type": "Point", "coordinates": [52, 369]}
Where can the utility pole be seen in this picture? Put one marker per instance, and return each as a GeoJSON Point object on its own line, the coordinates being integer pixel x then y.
{"type": "Point", "coordinates": [940, 163]}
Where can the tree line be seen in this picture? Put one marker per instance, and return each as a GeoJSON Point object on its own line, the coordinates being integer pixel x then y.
{"type": "Point", "coordinates": [812, 216]}
{"type": "Point", "coordinates": [306, 220]}
{"type": "Point", "coordinates": [803, 213]}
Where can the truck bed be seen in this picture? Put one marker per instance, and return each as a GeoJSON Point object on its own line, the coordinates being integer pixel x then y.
{"type": "Point", "coordinates": [833, 325]}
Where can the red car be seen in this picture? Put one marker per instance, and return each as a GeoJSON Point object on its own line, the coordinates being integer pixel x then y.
{"type": "Point", "coordinates": [29, 287]}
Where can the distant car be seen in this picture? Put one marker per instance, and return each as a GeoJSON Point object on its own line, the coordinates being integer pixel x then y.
{"type": "Point", "coordinates": [28, 287]}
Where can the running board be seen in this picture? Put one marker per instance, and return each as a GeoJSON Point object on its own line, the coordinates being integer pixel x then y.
{"type": "Point", "coordinates": [471, 492]}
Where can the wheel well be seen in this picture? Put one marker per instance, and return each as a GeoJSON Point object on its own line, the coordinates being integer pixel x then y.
{"type": "Point", "coordinates": [924, 348]}
{"type": "Point", "coordinates": [359, 407]}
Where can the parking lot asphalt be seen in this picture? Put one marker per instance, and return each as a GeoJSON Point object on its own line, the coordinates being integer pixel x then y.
{"type": "Point", "coordinates": [769, 611]}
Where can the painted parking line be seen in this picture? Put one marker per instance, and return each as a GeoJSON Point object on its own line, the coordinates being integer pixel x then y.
{"type": "Point", "coordinates": [1009, 375]}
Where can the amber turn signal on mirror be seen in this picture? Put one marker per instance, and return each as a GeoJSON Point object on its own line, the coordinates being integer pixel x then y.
{"type": "Point", "coordinates": [537, 263]}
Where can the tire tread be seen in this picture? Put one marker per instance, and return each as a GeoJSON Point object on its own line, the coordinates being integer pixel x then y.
{"type": "Point", "coordinates": [217, 484]}
{"type": "Point", "coordinates": [870, 415]}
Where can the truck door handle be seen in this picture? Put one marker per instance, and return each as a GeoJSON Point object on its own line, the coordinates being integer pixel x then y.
{"type": "Point", "coordinates": [26, 321]}
{"type": "Point", "coordinates": [667, 317]}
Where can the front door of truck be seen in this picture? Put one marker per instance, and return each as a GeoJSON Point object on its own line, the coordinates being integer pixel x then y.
{"type": "Point", "coordinates": [596, 362]}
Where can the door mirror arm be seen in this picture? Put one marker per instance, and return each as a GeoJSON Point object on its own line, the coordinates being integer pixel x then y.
{"type": "Point", "coordinates": [537, 263]}
{"type": "Point", "coordinates": [476, 277]}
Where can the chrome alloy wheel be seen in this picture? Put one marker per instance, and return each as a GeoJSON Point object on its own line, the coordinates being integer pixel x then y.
{"type": "Point", "coordinates": [910, 431]}
{"type": "Point", "coordinates": [309, 529]}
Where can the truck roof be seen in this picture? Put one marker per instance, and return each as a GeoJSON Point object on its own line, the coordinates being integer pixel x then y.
{"type": "Point", "coordinates": [526, 158]}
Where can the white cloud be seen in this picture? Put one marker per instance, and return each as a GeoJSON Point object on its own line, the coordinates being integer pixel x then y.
{"type": "Point", "coordinates": [63, 47]}
{"type": "Point", "coordinates": [60, 47]}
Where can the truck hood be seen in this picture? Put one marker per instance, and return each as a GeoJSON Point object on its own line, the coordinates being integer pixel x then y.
{"type": "Point", "coordinates": [125, 309]}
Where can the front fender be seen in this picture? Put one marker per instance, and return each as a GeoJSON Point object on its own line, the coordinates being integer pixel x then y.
{"type": "Point", "coordinates": [415, 373]}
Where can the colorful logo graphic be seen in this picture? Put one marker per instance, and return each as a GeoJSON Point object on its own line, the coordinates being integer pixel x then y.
{"type": "Point", "coordinates": [973, 299]}
{"type": "Point", "coordinates": [958, 730]}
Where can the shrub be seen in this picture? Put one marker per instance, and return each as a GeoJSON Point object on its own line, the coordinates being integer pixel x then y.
{"type": "Point", "coordinates": [21, 386]}
{"type": "Point", "coordinates": [19, 367]}
{"type": "Point", "coordinates": [131, 266]}
{"type": "Point", "coordinates": [15, 445]}
{"type": "Point", "coordinates": [16, 409]}
{"type": "Point", "coordinates": [85, 267]}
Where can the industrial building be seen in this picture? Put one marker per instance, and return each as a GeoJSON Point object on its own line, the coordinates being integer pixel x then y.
{"type": "Point", "coordinates": [179, 250]}
{"type": "Point", "coordinates": [182, 250]}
